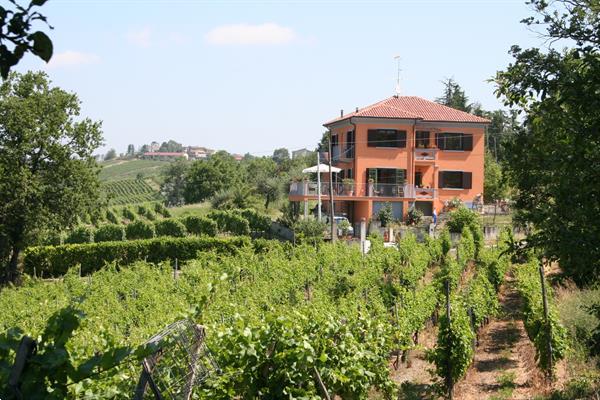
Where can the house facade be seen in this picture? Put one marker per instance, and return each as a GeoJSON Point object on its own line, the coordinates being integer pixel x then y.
{"type": "Point", "coordinates": [404, 150]}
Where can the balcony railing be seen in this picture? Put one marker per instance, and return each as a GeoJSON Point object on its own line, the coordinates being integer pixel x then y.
{"type": "Point", "coordinates": [306, 188]}
{"type": "Point", "coordinates": [425, 154]}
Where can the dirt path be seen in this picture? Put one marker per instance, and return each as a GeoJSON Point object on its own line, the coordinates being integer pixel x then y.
{"type": "Point", "coordinates": [504, 365]}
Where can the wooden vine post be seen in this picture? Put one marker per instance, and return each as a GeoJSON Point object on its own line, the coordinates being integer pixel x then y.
{"type": "Point", "coordinates": [546, 317]}
{"type": "Point", "coordinates": [449, 382]}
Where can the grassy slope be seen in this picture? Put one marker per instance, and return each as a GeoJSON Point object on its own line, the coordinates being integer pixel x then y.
{"type": "Point", "coordinates": [128, 169]}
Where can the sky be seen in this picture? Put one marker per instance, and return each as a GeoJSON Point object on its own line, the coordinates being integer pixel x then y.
{"type": "Point", "coordinates": [252, 76]}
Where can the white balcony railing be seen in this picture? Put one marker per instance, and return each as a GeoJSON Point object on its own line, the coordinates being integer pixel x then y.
{"type": "Point", "coordinates": [375, 190]}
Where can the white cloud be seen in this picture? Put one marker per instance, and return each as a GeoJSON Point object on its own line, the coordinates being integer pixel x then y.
{"type": "Point", "coordinates": [141, 37]}
{"type": "Point", "coordinates": [72, 58]}
{"type": "Point", "coordinates": [245, 34]}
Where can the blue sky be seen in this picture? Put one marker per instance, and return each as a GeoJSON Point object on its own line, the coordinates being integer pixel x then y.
{"type": "Point", "coordinates": [251, 76]}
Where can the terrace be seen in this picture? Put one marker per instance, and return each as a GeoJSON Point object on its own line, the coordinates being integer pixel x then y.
{"type": "Point", "coordinates": [309, 189]}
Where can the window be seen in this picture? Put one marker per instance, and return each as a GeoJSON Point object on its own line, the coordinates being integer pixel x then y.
{"type": "Point", "coordinates": [349, 174]}
{"type": "Point", "coordinates": [454, 141]}
{"type": "Point", "coordinates": [386, 138]}
{"type": "Point", "coordinates": [349, 153]}
{"type": "Point", "coordinates": [455, 180]}
{"type": "Point", "coordinates": [422, 139]}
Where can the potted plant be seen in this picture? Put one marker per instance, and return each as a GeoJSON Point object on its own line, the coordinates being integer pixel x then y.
{"type": "Point", "coordinates": [371, 186]}
{"type": "Point", "coordinates": [348, 186]}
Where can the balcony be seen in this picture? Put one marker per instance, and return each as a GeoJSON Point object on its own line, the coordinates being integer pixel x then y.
{"type": "Point", "coordinates": [422, 154]}
{"type": "Point", "coordinates": [361, 190]}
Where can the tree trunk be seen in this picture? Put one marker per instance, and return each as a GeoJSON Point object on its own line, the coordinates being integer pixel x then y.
{"type": "Point", "coordinates": [12, 269]}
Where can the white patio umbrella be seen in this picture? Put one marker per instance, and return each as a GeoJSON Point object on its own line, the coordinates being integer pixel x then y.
{"type": "Point", "coordinates": [322, 168]}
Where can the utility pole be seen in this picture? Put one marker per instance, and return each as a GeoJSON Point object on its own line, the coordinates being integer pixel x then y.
{"type": "Point", "coordinates": [331, 211]}
{"type": "Point", "coordinates": [318, 186]}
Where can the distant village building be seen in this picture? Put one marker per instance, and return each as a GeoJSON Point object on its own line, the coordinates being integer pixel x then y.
{"type": "Point", "coordinates": [199, 153]}
{"type": "Point", "coordinates": [301, 153]}
{"type": "Point", "coordinates": [238, 157]}
{"type": "Point", "coordinates": [163, 155]}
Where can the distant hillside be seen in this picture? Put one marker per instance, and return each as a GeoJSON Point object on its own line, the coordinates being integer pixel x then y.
{"type": "Point", "coordinates": [120, 181]}
{"type": "Point", "coordinates": [117, 170]}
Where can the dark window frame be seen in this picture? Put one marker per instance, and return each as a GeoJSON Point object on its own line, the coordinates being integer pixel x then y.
{"type": "Point", "coordinates": [454, 141]}
{"type": "Point", "coordinates": [465, 178]}
{"type": "Point", "coordinates": [374, 138]}
{"type": "Point", "coordinates": [422, 139]}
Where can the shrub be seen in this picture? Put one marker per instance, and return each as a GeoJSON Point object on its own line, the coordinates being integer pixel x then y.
{"type": "Point", "coordinates": [229, 221]}
{"type": "Point", "coordinates": [463, 217]}
{"type": "Point", "coordinates": [109, 233]}
{"type": "Point", "coordinates": [309, 231]}
{"type": "Point", "coordinates": [127, 213]}
{"type": "Point", "coordinates": [460, 218]}
{"type": "Point", "coordinates": [81, 234]}
{"type": "Point", "coordinates": [169, 227]}
{"type": "Point", "coordinates": [414, 216]}
{"type": "Point", "coordinates": [112, 217]}
{"type": "Point", "coordinates": [385, 214]}
{"type": "Point", "coordinates": [258, 222]}
{"type": "Point", "coordinates": [159, 208]}
{"type": "Point", "coordinates": [200, 225]}
{"type": "Point", "coordinates": [139, 230]}
{"type": "Point", "coordinates": [53, 261]}
{"type": "Point", "coordinates": [466, 248]}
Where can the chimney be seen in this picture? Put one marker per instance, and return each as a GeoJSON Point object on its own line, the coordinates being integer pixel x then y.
{"type": "Point", "coordinates": [356, 109]}
{"type": "Point", "coordinates": [341, 113]}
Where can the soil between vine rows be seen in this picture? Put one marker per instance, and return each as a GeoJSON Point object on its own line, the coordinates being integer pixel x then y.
{"type": "Point", "coordinates": [503, 368]}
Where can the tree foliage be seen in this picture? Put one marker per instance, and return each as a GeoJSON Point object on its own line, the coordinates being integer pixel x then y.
{"type": "Point", "coordinates": [454, 96]}
{"type": "Point", "coordinates": [49, 175]}
{"type": "Point", "coordinates": [16, 27]}
{"type": "Point", "coordinates": [554, 160]}
{"type": "Point", "coordinates": [174, 182]}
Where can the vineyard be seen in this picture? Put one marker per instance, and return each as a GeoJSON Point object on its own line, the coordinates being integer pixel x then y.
{"type": "Point", "coordinates": [277, 316]}
{"type": "Point", "coordinates": [130, 169]}
{"type": "Point", "coordinates": [130, 191]}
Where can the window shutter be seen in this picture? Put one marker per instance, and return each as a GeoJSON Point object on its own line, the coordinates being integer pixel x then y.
{"type": "Point", "coordinates": [439, 141]}
{"type": "Point", "coordinates": [467, 142]}
{"type": "Point", "coordinates": [467, 180]}
{"type": "Point", "coordinates": [400, 176]}
{"type": "Point", "coordinates": [441, 179]}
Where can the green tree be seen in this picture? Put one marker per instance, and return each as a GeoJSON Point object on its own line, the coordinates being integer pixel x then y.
{"type": "Point", "coordinates": [281, 155]}
{"type": "Point", "coordinates": [554, 159]}
{"type": "Point", "coordinates": [174, 182]}
{"type": "Point", "coordinates": [110, 155]}
{"type": "Point", "coordinates": [49, 175]}
{"type": "Point", "coordinates": [454, 96]}
{"type": "Point", "coordinates": [130, 150]}
{"type": "Point", "coordinates": [206, 178]}
{"type": "Point", "coordinates": [494, 183]}
{"type": "Point", "coordinates": [15, 31]}
{"type": "Point", "coordinates": [171, 147]}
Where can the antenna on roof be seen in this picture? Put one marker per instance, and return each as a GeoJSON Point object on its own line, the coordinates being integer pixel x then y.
{"type": "Point", "coordinates": [397, 57]}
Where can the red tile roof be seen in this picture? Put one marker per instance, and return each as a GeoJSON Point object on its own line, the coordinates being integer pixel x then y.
{"type": "Point", "coordinates": [164, 154]}
{"type": "Point", "coordinates": [413, 107]}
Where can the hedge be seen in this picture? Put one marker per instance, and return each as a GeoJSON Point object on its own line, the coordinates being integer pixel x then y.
{"type": "Point", "coordinates": [54, 261]}
{"type": "Point", "coordinates": [169, 227]}
{"type": "Point", "coordinates": [81, 234]}
{"type": "Point", "coordinates": [258, 222]}
{"type": "Point", "coordinates": [230, 221]}
{"type": "Point", "coordinates": [139, 230]}
{"type": "Point", "coordinates": [109, 233]}
{"type": "Point", "coordinates": [200, 225]}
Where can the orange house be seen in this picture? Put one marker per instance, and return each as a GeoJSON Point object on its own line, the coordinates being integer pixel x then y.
{"type": "Point", "coordinates": [404, 150]}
